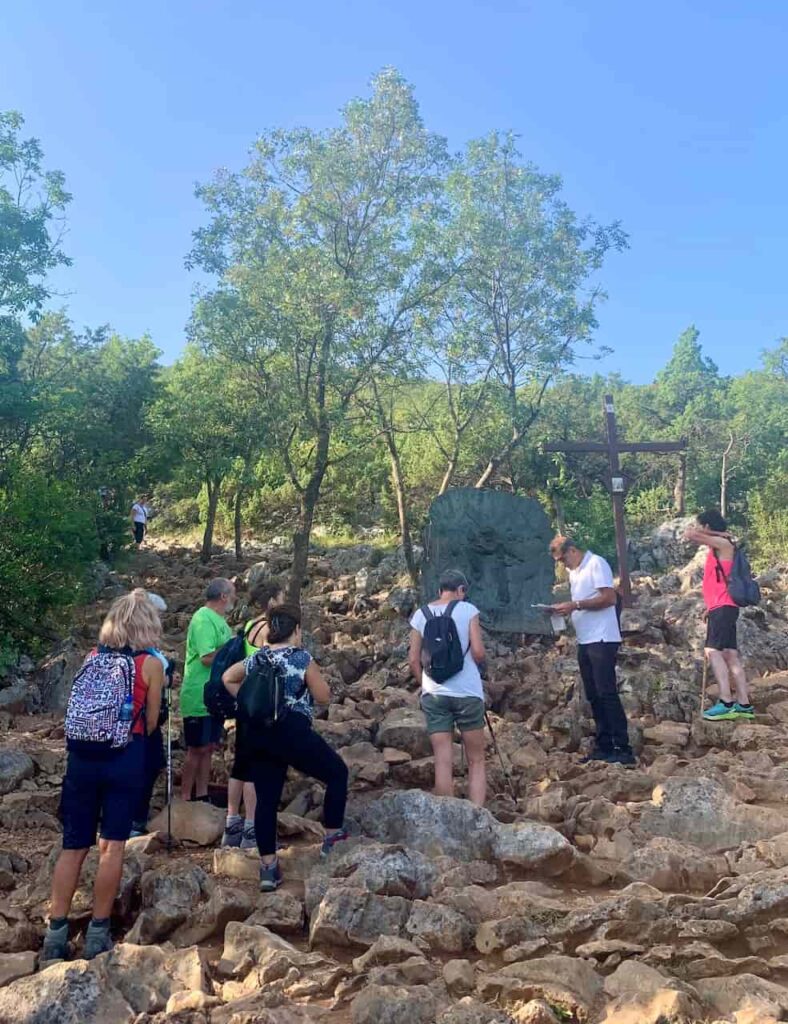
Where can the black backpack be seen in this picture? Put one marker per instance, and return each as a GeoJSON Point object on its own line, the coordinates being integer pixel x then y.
{"type": "Point", "coordinates": [262, 699]}
{"type": "Point", "coordinates": [742, 588]}
{"type": "Point", "coordinates": [442, 655]}
{"type": "Point", "coordinates": [219, 702]}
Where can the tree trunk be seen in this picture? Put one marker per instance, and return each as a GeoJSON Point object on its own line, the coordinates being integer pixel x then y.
{"type": "Point", "coordinates": [302, 535]}
{"type": "Point", "coordinates": [559, 512]}
{"type": "Point", "coordinates": [402, 511]}
{"type": "Point", "coordinates": [239, 497]}
{"type": "Point", "coordinates": [680, 489]}
{"type": "Point", "coordinates": [448, 476]}
{"type": "Point", "coordinates": [213, 502]}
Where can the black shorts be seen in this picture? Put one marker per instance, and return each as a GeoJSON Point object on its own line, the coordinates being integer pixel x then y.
{"type": "Point", "coordinates": [721, 628]}
{"type": "Point", "coordinates": [204, 731]}
{"type": "Point", "coordinates": [139, 532]}
{"type": "Point", "coordinates": [101, 790]}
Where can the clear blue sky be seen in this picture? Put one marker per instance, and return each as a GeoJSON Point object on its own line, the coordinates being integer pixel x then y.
{"type": "Point", "coordinates": [671, 116]}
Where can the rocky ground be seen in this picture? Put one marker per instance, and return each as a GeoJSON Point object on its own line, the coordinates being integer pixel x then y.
{"type": "Point", "coordinates": [589, 894]}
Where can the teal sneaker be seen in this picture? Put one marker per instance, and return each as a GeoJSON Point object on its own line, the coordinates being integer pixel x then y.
{"type": "Point", "coordinates": [743, 711]}
{"type": "Point", "coordinates": [721, 712]}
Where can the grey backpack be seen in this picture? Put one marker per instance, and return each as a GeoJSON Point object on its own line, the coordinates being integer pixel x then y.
{"type": "Point", "coordinates": [742, 588]}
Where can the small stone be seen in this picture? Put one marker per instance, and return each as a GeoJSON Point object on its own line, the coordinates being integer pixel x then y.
{"type": "Point", "coordinates": [459, 976]}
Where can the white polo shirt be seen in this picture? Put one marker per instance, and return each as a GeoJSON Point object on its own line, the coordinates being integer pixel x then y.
{"type": "Point", "coordinates": [139, 512]}
{"type": "Point", "coordinates": [585, 581]}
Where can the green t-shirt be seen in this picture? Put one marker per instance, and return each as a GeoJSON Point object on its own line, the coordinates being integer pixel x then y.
{"type": "Point", "coordinates": [207, 632]}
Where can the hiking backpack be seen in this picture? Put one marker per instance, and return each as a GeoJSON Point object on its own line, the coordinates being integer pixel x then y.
{"type": "Point", "coordinates": [100, 706]}
{"type": "Point", "coordinates": [743, 589]}
{"type": "Point", "coordinates": [262, 698]}
{"type": "Point", "coordinates": [219, 702]}
{"type": "Point", "coordinates": [442, 655]}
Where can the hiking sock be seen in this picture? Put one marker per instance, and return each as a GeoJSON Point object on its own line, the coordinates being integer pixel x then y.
{"type": "Point", "coordinates": [57, 922]}
{"type": "Point", "coordinates": [233, 819]}
{"type": "Point", "coordinates": [728, 703]}
{"type": "Point", "coordinates": [248, 824]}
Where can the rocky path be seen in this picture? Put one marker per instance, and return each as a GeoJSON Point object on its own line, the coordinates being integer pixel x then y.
{"type": "Point", "coordinates": [596, 895]}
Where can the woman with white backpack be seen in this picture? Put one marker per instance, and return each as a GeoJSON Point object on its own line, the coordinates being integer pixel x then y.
{"type": "Point", "coordinates": [114, 702]}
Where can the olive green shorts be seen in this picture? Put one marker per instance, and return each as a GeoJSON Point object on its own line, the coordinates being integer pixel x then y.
{"type": "Point", "coordinates": [443, 713]}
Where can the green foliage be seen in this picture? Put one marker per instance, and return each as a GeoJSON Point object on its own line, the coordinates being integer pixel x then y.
{"type": "Point", "coordinates": [49, 537]}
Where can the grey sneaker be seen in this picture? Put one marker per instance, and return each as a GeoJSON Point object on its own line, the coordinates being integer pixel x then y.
{"type": "Point", "coordinates": [337, 836]}
{"type": "Point", "coordinates": [55, 944]}
{"type": "Point", "coordinates": [233, 833]}
{"type": "Point", "coordinates": [270, 877]}
{"type": "Point", "coordinates": [97, 940]}
{"type": "Point", "coordinates": [248, 839]}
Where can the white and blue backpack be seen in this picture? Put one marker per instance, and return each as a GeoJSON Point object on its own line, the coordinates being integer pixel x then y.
{"type": "Point", "coordinates": [101, 704]}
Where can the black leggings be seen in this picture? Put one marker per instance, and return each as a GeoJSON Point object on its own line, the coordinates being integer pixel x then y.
{"type": "Point", "coordinates": [293, 743]}
{"type": "Point", "coordinates": [597, 663]}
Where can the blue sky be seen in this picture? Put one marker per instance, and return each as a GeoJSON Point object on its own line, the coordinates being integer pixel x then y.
{"type": "Point", "coordinates": [671, 117]}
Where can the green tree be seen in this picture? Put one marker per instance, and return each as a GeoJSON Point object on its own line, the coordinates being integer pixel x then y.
{"type": "Point", "coordinates": [527, 262]}
{"type": "Point", "coordinates": [324, 238]}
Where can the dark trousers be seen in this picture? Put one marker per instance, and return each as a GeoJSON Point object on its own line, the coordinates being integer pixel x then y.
{"type": "Point", "coordinates": [598, 671]}
{"type": "Point", "coordinates": [293, 743]}
{"type": "Point", "coordinates": [154, 762]}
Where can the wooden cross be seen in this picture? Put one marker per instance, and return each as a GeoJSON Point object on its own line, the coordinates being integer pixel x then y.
{"type": "Point", "coordinates": [615, 482]}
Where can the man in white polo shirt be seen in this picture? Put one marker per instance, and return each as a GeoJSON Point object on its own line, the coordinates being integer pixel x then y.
{"type": "Point", "coordinates": [594, 616]}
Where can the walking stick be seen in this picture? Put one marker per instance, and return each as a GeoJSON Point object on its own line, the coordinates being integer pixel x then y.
{"type": "Point", "coordinates": [170, 673]}
{"type": "Point", "coordinates": [703, 684]}
{"type": "Point", "coordinates": [497, 749]}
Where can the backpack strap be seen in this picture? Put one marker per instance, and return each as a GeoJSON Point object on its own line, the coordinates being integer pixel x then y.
{"type": "Point", "coordinates": [427, 612]}
{"type": "Point", "coordinates": [449, 609]}
{"type": "Point", "coordinates": [720, 570]}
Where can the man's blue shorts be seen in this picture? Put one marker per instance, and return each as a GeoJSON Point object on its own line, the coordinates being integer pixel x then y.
{"type": "Point", "coordinates": [101, 790]}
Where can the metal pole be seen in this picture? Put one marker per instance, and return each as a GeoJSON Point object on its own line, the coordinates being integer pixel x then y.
{"type": "Point", "coordinates": [497, 750]}
{"type": "Point", "coordinates": [170, 672]}
{"type": "Point", "coordinates": [617, 497]}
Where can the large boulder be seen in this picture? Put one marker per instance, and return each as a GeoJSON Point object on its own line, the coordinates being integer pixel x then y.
{"type": "Point", "coordinates": [388, 1004]}
{"type": "Point", "coordinates": [65, 993]}
{"type": "Point", "coordinates": [15, 766]}
{"type": "Point", "coordinates": [192, 822]}
{"type": "Point", "coordinates": [698, 810]}
{"type": "Point", "coordinates": [351, 917]}
{"type": "Point", "coordinates": [672, 866]}
{"type": "Point", "coordinates": [447, 826]}
{"type": "Point", "coordinates": [405, 729]}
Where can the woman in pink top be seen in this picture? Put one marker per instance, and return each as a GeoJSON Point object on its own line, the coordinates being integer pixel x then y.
{"type": "Point", "coordinates": [722, 613]}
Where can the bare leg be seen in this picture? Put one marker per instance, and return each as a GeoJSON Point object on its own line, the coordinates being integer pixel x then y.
{"type": "Point", "coordinates": [442, 752]}
{"type": "Point", "coordinates": [250, 800]}
{"type": "Point", "coordinates": [475, 743]}
{"type": "Point", "coordinates": [64, 881]}
{"type": "Point", "coordinates": [737, 673]}
{"type": "Point", "coordinates": [720, 670]}
{"type": "Point", "coordinates": [189, 774]}
{"type": "Point", "coordinates": [203, 772]}
{"type": "Point", "coordinates": [108, 876]}
{"type": "Point", "coordinates": [235, 790]}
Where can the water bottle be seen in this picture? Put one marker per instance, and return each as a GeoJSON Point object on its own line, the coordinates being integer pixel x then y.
{"type": "Point", "coordinates": [127, 710]}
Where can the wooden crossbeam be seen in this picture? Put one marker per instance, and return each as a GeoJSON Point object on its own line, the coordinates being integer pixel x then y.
{"type": "Point", "coordinates": [613, 448]}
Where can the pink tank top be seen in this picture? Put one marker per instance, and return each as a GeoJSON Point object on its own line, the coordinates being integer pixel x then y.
{"type": "Point", "coordinates": [715, 590]}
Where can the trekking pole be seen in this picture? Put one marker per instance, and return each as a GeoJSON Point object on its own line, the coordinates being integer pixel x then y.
{"type": "Point", "coordinates": [497, 750]}
{"type": "Point", "coordinates": [703, 684]}
{"type": "Point", "coordinates": [170, 673]}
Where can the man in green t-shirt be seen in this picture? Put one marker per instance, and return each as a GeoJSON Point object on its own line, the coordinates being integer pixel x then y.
{"type": "Point", "coordinates": [208, 631]}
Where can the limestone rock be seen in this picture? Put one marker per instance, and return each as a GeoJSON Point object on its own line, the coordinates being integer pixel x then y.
{"type": "Point", "coordinates": [65, 993]}
{"type": "Point", "coordinates": [469, 1011]}
{"type": "Point", "coordinates": [405, 729]}
{"type": "Point", "coordinates": [385, 1004]}
{"type": "Point", "coordinates": [459, 976]}
{"type": "Point", "coordinates": [672, 866]}
{"type": "Point", "coordinates": [15, 766]}
{"type": "Point", "coordinates": [388, 949]}
{"type": "Point", "coordinates": [280, 912]}
{"type": "Point", "coordinates": [170, 896]}
{"type": "Point", "coordinates": [563, 980]}
{"type": "Point", "coordinates": [16, 965]}
{"type": "Point", "coordinates": [699, 811]}
{"type": "Point", "coordinates": [350, 917]}
{"type": "Point", "coordinates": [192, 822]}
{"type": "Point", "coordinates": [439, 927]}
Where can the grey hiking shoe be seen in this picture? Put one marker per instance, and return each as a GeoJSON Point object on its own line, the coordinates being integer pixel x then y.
{"type": "Point", "coordinates": [55, 944]}
{"type": "Point", "coordinates": [248, 838]}
{"type": "Point", "coordinates": [233, 833]}
{"type": "Point", "coordinates": [97, 940]}
{"type": "Point", "coordinates": [270, 876]}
